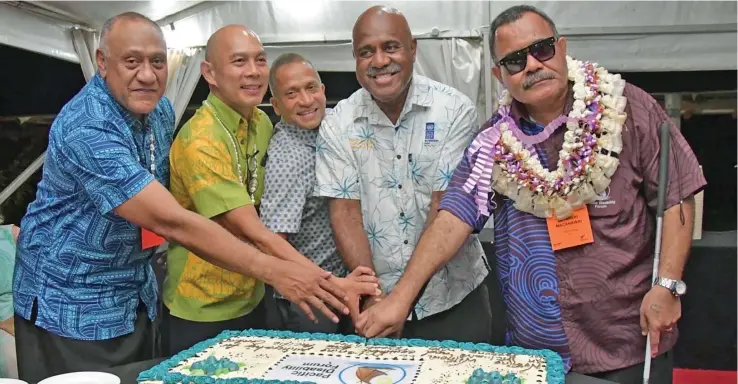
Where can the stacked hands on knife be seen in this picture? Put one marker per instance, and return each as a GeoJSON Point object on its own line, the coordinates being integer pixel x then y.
{"type": "Point", "coordinates": [358, 295]}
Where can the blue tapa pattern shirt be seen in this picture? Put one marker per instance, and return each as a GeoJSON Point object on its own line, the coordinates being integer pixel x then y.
{"type": "Point", "coordinates": [80, 262]}
{"type": "Point", "coordinates": [525, 261]}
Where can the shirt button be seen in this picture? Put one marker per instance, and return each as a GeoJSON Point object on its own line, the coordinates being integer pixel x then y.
{"type": "Point", "coordinates": [402, 214]}
{"type": "Point", "coordinates": [399, 156]}
{"type": "Point", "coordinates": [405, 242]}
{"type": "Point", "coordinates": [399, 186]}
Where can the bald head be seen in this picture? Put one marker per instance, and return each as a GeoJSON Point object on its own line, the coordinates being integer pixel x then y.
{"type": "Point", "coordinates": [124, 18]}
{"type": "Point", "coordinates": [223, 39]}
{"type": "Point", "coordinates": [235, 68]}
{"type": "Point", "coordinates": [384, 49]}
{"type": "Point", "coordinates": [384, 16]}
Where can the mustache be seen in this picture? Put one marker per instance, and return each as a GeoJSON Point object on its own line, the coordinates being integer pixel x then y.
{"type": "Point", "coordinates": [386, 70]}
{"type": "Point", "coordinates": [532, 78]}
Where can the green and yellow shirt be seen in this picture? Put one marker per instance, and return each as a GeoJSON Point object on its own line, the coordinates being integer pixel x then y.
{"type": "Point", "coordinates": [205, 180]}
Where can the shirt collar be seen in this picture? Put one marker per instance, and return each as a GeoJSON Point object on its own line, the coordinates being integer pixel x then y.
{"type": "Point", "coordinates": [99, 85]}
{"type": "Point", "coordinates": [418, 94]}
{"type": "Point", "coordinates": [229, 116]}
{"type": "Point", "coordinates": [305, 136]}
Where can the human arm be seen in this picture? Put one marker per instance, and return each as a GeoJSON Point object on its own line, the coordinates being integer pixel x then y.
{"type": "Point", "coordinates": [456, 220]}
{"type": "Point", "coordinates": [104, 165]}
{"type": "Point", "coordinates": [660, 309]}
{"type": "Point", "coordinates": [337, 178]}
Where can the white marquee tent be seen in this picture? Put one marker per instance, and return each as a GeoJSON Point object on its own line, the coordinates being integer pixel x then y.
{"type": "Point", "coordinates": [623, 36]}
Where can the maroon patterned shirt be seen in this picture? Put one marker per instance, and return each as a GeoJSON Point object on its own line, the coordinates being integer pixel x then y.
{"type": "Point", "coordinates": [601, 285]}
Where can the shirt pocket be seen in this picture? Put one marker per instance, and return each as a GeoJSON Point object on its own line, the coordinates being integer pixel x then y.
{"type": "Point", "coordinates": [426, 150]}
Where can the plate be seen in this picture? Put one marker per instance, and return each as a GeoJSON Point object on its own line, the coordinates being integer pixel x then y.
{"type": "Point", "coordinates": [82, 378]}
{"type": "Point", "coordinates": [12, 381]}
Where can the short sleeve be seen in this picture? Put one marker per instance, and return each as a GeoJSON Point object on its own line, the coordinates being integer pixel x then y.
{"type": "Point", "coordinates": [336, 175]}
{"type": "Point", "coordinates": [685, 176]}
{"type": "Point", "coordinates": [169, 117]}
{"type": "Point", "coordinates": [285, 190]}
{"type": "Point", "coordinates": [103, 162]}
{"type": "Point", "coordinates": [460, 203]}
{"type": "Point", "coordinates": [206, 170]}
{"type": "Point", "coordinates": [463, 128]}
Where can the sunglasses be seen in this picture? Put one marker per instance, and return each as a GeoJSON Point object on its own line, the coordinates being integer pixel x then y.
{"type": "Point", "coordinates": [541, 50]}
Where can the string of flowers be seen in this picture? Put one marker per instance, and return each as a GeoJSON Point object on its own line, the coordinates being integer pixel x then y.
{"type": "Point", "coordinates": [508, 163]}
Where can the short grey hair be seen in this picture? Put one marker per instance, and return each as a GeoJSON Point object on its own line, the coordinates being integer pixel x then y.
{"type": "Point", "coordinates": [512, 15]}
{"type": "Point", "coordinates": [284, 59]}
{"type": "Point", "coordinates": [128, 16]}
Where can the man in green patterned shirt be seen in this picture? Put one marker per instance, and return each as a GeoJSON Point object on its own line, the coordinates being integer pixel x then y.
{"type": "Point", "coordinates": [217, 170]}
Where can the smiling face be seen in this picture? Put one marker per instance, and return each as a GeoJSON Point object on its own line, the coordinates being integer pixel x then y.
{"type": "Point", "coordinates": [540, 80]}
{"type": "Point", "coordinates": [236, 68]}
{"type": "Point", "coordinates": [385, 52]}
{"type": "Point", "coordinates": [299, 96]}
{"type": "Point", "coordinates": [134, 65]}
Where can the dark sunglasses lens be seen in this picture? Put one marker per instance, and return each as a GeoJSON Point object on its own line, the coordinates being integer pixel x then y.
{"type": "Point", "coordinates": [515, 66]}
{"type": "Point", "coordinates": [543, 50]}
{"type": "Point", "coordinates": [516, 62]}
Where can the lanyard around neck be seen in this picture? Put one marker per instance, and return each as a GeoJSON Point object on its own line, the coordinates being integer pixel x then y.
{"type": "Point", "coordinates": [236, 150]}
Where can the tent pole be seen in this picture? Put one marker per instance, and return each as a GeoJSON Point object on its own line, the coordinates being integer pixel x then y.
{"type": "Point", "coordinates": [487, 69]}
{"type": "Point", "coordinates": [25, 175]}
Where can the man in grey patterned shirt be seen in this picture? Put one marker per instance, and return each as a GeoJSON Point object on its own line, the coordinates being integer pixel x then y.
{"type": "Point", "coordinates": [288, 207]}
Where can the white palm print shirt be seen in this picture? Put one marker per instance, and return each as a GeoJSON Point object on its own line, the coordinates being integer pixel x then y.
{"type": "Point", "coordinates": [393, 169]}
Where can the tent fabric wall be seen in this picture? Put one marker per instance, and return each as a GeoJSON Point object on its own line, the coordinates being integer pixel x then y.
{"type": "Point", "coordinates": [290, 21]}
{"type": "Point", "coordinates": [25, 30]}
{"type": "Point", "coordinates": [455, 62]}
{"type": "Point", "coordinates": [184, 73]}
{"type": "Point", "coordinates": [623, 36]}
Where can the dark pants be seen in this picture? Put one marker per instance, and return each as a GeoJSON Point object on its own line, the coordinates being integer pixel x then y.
{"type": "Point", "coordinates": [470, 320]}
{"type": "Point", "coordinates": [180, 334]}
{"type": "Point", "coordinates": [661, 372]}
{"type": "Point", "coordinates": [42, 354]}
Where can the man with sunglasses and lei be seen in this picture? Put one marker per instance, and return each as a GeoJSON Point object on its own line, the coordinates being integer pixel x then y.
{"type": "Point", "coordinates": [570, 171]}
{"type": "Point", "coordinates": [217, 170]}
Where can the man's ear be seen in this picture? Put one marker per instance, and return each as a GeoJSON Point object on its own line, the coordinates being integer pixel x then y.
{"type": "Point", "coordinates": [206, 69]}
{"type": "Point", "coordinates": [101, 66]}
{"type": "Point", "coordinates": [275, 105]}
{"type": "Point", "coordinates": [497, 72]}
{"type": "Point", "coordinates": [414, 48]}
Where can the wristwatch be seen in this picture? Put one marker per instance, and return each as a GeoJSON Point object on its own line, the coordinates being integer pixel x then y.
{"type": "Point", "coordinates": [677, 287]}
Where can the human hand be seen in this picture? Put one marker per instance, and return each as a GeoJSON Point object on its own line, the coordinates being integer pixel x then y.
{"type": "Point", "coordinates": [385, 318]}
{"type": "Point", "coordinates": [660, 311]}
{"type": "Point", "coordinates": [309, 287]}
{"type": "Point", "coordinates": [360, 282]}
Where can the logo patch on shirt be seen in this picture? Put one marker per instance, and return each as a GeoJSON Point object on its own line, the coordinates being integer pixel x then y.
{"type": "Point", "coordinates": [430, 133]}
{"type": "Point", "coordinates": [603, 199]}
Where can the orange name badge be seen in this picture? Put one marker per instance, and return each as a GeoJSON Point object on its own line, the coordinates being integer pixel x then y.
{"type": "Point", "coordinates": [150, 239]}
{"type": "Point", "coordinates": [571, 232]}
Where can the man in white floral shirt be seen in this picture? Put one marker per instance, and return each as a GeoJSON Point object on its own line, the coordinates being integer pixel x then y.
{"type": "Point", "coordinates": [385, 156]}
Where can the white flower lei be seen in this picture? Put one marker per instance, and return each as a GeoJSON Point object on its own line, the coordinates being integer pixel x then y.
{"type": "Point", "coordinates": [586, 162]}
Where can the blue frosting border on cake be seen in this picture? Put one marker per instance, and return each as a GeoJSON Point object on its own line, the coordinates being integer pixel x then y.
{"type": "Point", "coordinates": [554, 364]}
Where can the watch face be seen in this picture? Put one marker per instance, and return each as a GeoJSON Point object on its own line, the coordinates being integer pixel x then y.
{"type": "Point", "coordinates": [680, 288]}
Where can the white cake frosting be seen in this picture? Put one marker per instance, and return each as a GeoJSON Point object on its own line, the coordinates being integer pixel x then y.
{"type": "Point", "coordinates": [278, 358]}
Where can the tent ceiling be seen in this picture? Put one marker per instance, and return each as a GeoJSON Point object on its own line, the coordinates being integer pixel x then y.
{"type": "Point", "coordinates": [623, 36]}
{"type": "Point", "coordinates": [94, 13]}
